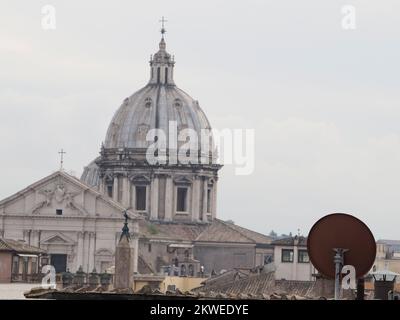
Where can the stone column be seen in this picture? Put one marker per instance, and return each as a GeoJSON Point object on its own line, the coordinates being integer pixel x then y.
{"type": "Point", "coordinates": [196, 199]}
{"type": "Point", "coordinates": [214, 199]}
{"type": "Point", "coordinates": [204, 200]}
{"type": "Point", "coordinates": [154, 199]}
{"type": "Point", "coordinates": [115, 189]}
{"type": "Point", "coordinates": [126, 192]}
{"type": "Point", "coordinates": [169, 195]}
{"type": "Point", "coordinates": [79, 254]}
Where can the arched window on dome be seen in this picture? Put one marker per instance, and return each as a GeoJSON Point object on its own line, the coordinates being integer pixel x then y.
{"type": "Point", "coordinates": [148, 102]}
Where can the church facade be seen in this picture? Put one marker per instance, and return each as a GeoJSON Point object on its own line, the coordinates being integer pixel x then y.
{"type": "Point", "coordinates": [169, 194]}
{"type": "Point", "coordinates": [74, 224]}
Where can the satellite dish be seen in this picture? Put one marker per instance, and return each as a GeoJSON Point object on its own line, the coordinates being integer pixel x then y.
{"type": "Point", "coordinates": [345, 232]}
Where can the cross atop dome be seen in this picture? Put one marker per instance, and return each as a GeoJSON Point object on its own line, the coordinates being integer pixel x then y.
{"type": "Point", "coordinates": [163, 31]}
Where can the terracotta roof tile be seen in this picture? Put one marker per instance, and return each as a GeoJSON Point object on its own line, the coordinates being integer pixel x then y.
{"type": "Point", "coordinates": [17, 246]}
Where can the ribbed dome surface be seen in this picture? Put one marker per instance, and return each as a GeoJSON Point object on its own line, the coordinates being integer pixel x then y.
{"type": "Point", "coordinates": [153, 107]}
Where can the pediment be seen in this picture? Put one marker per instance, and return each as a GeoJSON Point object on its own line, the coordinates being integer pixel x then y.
{"type": "Point", "coordinates": [104, 252]}
{"type": "Point", "coordinates": [59, 239]}
{"type": "Point", "coordinates": [61, 191]}
{"type": "Point", "coordinates": [140, 179]}
{"type": "Point", "coordinates": [182, 180]}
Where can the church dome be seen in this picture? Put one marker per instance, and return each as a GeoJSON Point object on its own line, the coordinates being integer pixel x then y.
{"type": "Point", "coordinates": [159, 158]}
{"type": "Point", "coordinates": [158, 105]}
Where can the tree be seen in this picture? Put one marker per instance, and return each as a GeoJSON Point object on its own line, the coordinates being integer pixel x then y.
{"type": "Point", "coordinates": [273, 234]}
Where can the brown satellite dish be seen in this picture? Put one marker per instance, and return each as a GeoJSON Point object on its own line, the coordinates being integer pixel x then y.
{"type": "Point", "coordinates": [340, 230]}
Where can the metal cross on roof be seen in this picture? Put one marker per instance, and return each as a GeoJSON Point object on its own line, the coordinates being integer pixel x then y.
{"type": "Point", "coordinates": [163, 20]}
{"type": "Point", "coordinates": [62, 152]}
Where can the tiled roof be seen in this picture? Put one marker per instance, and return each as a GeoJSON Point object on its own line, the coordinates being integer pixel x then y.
{"type": "Point", "coordinates": [290, 241]}
{"type": "Point", "coordinates": [226, 277]}
{"type": "Point", "coordinates": [221, 231]}
{"type": "Point", "coordinates": [19, 247]}
{"type": "Point", "coordinates": [170, 231]}
{"type": "Point", "coordinates": [217, 231]}
{"type": "Point", "coordinates": [263, 284]}
{"type": "Point", "coordinates": [389, 242]}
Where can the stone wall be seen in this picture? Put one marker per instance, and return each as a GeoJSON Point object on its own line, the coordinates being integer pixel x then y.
{"type": "Point", "coordinates": [219, 257]}
{"type": "Point", "coordinates": [5, 267]}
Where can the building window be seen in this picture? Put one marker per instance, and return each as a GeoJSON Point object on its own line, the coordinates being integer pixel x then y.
{"type": "Point", "coordinates": [15, 265]}
{"type": "Point", "coordinates": [268, 258]}
{"type": "Point", "coordinates": [166, 75]}
{"type": "Point", "coordinates": [208, 200]}
{"type": "Point", "coordinates": [303, 256]}
{"type": "Point", "coordinates": [149, 247]}
{"type": "Point", "coordinates": [59, 212]}
{"type": "Point", "coordinates": [140, 198]}
{"type": "Point", "coordinates": [110, 190]}
{"type": "Point", "coordinates": [287, 255]}
{"type": "Point", "coordinates": [181, 203]}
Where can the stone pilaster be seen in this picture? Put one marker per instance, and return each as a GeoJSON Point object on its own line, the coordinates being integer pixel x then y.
{"type": "Point", "coordinates": [133, 197]}
{"type": "Point", "coordinates": [214, 199]}
{"type": "Point", "coordinates": [102, 187]}
{"type": "Point", "coordinates": [154, 199]}
{"type": "Point", "coordinates": [196, 199]}
{"type": "Point", "coordinates": [204, 200]}
{"type": "Point", "coordinates": [169, 195]}
{"type": "Point", "coordinates": [34, 238]}
{"type": "Point", "coordinates": [92, 250]}
{"type": "Point", "coordinates": [126, 191]}
{"type": "Point", "coordinates": [115, 189]}
{"type": "Point", "coordinates": [79, 255]}
{"type": "Point", "coordinates": [86, 251]}
{"type": "Point", "coordinates": [26, 236]}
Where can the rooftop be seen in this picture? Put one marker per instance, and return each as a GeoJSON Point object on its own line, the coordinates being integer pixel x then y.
{"type": "Point", "coordinates": [291, 241]}
{"type": "Point", "coordinates": [19, 247]}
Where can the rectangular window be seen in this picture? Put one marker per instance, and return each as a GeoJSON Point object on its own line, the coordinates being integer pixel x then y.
{"type": "Point", "coordinates": [140, 198]}
{"type": "Point", "coordinates": [149, 247]}
{"type": "Point", "coordinates": [287, 255]}
{"type": "Point", "coordinates": [110, 190]}
{"type": "Point", "coordinates": [59, 212]}
{"type": "Point", "coordinates": [181, 203]}
{"type": "Point", "coordinates": [303, 256]}
{"type": "Point", "coordinates": [208, 200]}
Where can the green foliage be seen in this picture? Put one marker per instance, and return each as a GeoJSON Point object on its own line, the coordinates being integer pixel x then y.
{"type": "Point", "coordinates": [152, 229]}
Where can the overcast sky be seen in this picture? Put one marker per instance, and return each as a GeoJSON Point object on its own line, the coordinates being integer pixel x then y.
{"type": "Point", "coordinates": [324, 101]}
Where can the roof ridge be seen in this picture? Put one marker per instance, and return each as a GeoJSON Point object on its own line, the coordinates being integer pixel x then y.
{"type": "Point", "coordinates": [229, 226]}
{"type": "Point", "coordinates": [259, 233]}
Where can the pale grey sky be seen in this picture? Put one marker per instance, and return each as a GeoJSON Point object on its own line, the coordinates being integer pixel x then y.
{"type": "Point", "coordinates": [324, 101]}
